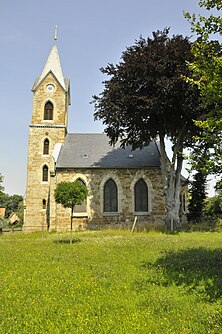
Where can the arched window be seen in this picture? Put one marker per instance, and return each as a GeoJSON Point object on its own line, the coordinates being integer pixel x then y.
{"type": "Point", "coordinates": [141, 196]}
{"type": "Point", "coordinates": [46, 146]}
{"type": "Point", "coordinates": [81, 207]}
{"type": "Point", "coordinates": [110, 199]}
{"type": "Point", "coordinates": [48, 111]}
{"type": "Point", "coordinates": [45, 173]}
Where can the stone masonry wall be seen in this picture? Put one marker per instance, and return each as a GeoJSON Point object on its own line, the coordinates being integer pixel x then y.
{"type": "Point", "coordinates": [58, 99]}
{"type": "Point", "coordinates": [95, 217]}
{"type": "Point", "coordinates": [36, 216]}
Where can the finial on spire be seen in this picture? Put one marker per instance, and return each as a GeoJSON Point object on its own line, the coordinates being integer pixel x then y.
{"type": "Point", "coordinates": [55, 34]}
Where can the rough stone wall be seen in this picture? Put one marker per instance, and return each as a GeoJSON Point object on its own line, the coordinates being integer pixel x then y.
{"type": "Point", "coordinates": [95, 217]}
{"type": "Point", "coordinates": [58, 99]}
{"type": "Point", "coordinates": [54, 130]}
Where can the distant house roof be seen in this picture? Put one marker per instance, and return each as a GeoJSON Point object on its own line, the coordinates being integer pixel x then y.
{"type": "Point", "coordinates": [94, 151]}
{"type": "Point", "coordinates": [13, 219]}
{"type": "Point", "coordinates": [2, 212]}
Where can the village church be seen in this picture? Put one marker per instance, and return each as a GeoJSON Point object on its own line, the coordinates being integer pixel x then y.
{"type": "Point", "coordinates": [122, 184]}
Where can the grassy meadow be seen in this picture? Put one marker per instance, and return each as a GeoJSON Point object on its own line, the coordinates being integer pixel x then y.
{"type": "Point", "coordinates": [111, 282]}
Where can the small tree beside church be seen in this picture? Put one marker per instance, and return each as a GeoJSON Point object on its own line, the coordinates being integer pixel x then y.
{"type": "Point", "coordinates": [70, 194]}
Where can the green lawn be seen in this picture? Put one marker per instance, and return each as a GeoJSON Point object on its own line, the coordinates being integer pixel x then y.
{"type": "Point", "coordinates": [111, 282]}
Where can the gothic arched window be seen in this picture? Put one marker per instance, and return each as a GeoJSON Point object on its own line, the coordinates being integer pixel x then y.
{"type": "Point", "coordinates": [81, 207]}
{"type": "Point", "coordinates": [46, 146]}
{"type": "Point", "coordinates": [141, 196]}
{"type": "Point", "coordinates": [48, 111]}
{"type": "Point", "coordinates": [110, 199]}
{"type": "Point", "coordinates": [45, 173]}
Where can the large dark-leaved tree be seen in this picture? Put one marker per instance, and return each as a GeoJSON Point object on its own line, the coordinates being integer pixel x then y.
{"type": "Point", "coordinates": [146, 98]}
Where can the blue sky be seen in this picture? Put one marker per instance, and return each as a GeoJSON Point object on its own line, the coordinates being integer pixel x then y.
{"type": "Point", "coordinates": [91, 34]}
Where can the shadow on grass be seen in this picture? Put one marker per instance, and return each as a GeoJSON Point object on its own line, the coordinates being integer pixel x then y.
{"type": "Point", "coordinates": [67, 241]}
{"type": "Point", "coordinates": [199, 270]}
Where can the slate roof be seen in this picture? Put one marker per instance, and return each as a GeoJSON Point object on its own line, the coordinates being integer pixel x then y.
{"type": "Point", "coordinates": [93, 150]}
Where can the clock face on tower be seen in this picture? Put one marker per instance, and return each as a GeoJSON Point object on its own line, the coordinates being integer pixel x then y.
{"type": "Point", "coordinates": [50, 88]}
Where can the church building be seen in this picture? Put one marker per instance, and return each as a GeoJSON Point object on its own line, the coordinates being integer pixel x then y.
{"type": "Point", "coordinates": [122, 184]}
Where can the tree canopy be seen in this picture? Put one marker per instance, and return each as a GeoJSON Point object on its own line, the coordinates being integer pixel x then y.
{"type": "Point", "coordinates": [147, 98]}
{"type": "Point", "coordinates": [206, 69]}
{"type": "Point", "coordinates": [207, 49]}
{"type": "Point", "coordinates": [70, 194]}
{"type": "Point", "coordinates": [1, 186]}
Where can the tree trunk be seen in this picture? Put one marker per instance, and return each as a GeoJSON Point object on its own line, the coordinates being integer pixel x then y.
{"type": "Point", "coordinates": [72, 209]}
{"type": "Point", "coordinates": [172, 202]}
{"type": "Point", "coordinates": [171, 182]}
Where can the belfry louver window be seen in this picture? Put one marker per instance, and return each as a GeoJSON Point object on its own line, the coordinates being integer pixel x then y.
{"type": "Point", "coordinates": [48, 111]}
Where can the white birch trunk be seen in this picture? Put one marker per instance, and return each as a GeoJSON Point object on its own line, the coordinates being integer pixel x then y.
{"type": "Point", "coordinates": [171, 172]}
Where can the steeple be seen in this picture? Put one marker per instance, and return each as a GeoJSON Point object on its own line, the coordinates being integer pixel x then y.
{"type": "Point", "coordinates": [47, 131]}
{"type": "Point", "coordinates": [52, 65]}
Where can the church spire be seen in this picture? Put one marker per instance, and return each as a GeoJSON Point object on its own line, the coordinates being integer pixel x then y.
{"type": "Point", "coordinates": [52, 65]}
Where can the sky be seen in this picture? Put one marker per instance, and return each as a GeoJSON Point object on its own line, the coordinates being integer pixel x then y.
{"type": "Point", "coordinates": [91, 34]}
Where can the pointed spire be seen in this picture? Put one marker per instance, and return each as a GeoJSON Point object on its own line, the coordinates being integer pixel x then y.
{"type": "Point", "coordinates": [52, 65]}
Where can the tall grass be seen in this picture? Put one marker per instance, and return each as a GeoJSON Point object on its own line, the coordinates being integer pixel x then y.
{"type": "Point", "coordinates": [111, 282]}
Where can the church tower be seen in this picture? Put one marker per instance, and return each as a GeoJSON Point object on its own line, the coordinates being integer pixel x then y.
{"type": "Point", "coordinates": [48, 128]}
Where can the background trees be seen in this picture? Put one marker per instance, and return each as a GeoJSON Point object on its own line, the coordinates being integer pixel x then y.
{"type": "Point", "coordinates": [1, 186]}
{"type": "Point", "coordinates": [146, 98]}
{"type": "Point", "coordinates": [207, 49]}
{"type": "Point", "coordinates": [70, 194]}
{"type": "Point", "coordinates": [13, 203]}
{"type": "Point", "coordinates": [206, 69]}
{"type": "Point", "coordinates": [198, 196]}
{"type": "Point", "coordinates": [213, 207]}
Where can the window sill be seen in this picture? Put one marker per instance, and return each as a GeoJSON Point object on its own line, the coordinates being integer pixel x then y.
{"type": "Point", "coordinates": [110, 214]}
{"type": "Point", "coordinates": [142, 213]}
{"type": "Point", "coordinates": [80, 215]}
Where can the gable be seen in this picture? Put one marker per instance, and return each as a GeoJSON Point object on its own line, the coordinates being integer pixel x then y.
{"type": "Point", "coordinates": [39, 81]}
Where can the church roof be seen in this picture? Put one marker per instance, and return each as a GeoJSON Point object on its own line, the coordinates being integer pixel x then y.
{"type": "Point", "coordinates": [53, 65]}
{"type": "Point", "coordinates": [90, 150]}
